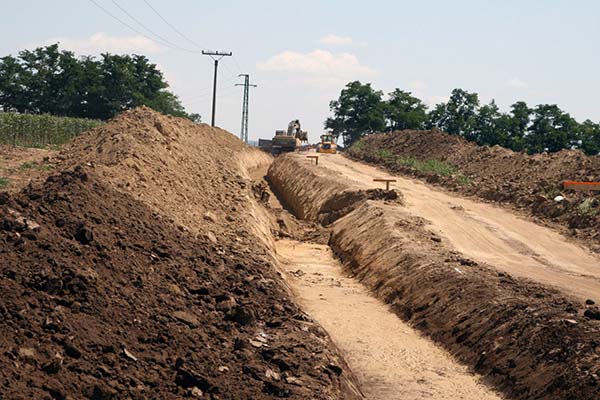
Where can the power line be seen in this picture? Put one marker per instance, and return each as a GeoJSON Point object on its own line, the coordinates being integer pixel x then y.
{"type": "Point", "coordinates": [173, 27]}
{"type": "Point", "coordinates": [246, 85]}
{"type": "Point", "coordinates": [151, 31]}
{"type": "Point", "coordinates": [124, 23]}
{"type": "Point", "coordinates": [216, 56]}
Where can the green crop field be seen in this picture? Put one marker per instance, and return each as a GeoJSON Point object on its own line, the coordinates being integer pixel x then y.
{"type": "Point", "coordinates": [31, 130]}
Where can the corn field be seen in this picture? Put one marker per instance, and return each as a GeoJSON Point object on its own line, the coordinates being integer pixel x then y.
{"type": "Point", "coordinates": [30, 130]}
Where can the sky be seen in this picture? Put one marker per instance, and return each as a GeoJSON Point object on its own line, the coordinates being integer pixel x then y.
{"type": "Point", "coordinates": [302, 53]}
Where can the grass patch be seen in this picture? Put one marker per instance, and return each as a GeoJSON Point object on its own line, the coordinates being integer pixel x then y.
{"type": "Point", "coordinates": [588, 208]}
{"type": "Point", "coordinates": [27, 165]}
{"type": "Point", "coordinates": [3, 182]}
{"type": "Point", "coordinates": [35, 165]}
{"type": "Point", "coordinates": [385, 154]}
{"type": "Point", "coordinates": [359, 145]}
{"type": "Point", "coordinates": [432, 165]}
{"type": "Point", "coordinates": [464, 180]}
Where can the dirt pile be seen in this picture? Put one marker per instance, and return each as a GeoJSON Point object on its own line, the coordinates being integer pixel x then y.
{"type": "Point", "coordinates": [531, 341]}
{"type": "Point", "coordinates": [529, 182]}
{"type": "Point", "coordinates": [106, 295]}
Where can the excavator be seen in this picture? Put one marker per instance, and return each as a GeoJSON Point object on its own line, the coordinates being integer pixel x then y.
{"type": "Point", "coordinates": [290, 140]}
{"type": "Point", "coordinates": [328, 144]}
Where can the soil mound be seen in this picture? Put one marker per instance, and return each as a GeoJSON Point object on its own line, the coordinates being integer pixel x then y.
{"type": "Point", "coordinates": [107, 295]}
{"type": "Point", "coordinates": [529, 182]}
{"type": "Point", "coordinates": [189, 173]}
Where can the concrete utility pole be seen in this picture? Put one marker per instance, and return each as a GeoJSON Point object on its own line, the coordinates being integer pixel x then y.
{"type": "Point", "coordinates": [246, 85]}
{"type": "Point", "coordinates": [216, 56]}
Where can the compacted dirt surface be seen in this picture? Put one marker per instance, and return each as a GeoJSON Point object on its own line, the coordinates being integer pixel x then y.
{"type": "Point", "coordinates": [136, 271]}
{"type": "Point", "coordinates": [527, 338]}
{"type": "Point", "coordinates": [390, 358]}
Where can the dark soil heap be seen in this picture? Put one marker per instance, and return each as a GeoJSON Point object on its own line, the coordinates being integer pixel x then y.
{"type": "Point", "coordinates": [529, 182]}
{"type": "Point", "coordinates": [103, 297]}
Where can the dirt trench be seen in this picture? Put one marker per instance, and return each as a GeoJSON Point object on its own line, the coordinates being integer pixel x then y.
{"type": "Point", "coordinates": [529, 340]}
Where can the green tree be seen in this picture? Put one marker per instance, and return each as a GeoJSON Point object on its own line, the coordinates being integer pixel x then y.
{"type": "Point", "coordinates": [358, 112]}
{"type": "Point", "coordinates": [489, 125]}
{"type": "Point", "coordinates": [589, 133]}
{"type": "Point", "coordinates": [517, 125]}
{"type": "Point", "coordinates": [48, 80]}
{"type": "Point", "coordinates": [551, 130]}
{"type": "Point", "coordinates": [458, 115]}
{"type": "Point", "coordinates": [404, 111]}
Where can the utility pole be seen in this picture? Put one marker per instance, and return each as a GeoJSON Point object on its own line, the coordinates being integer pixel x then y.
{"type": "Point", "coordinates": [216, 56]}
{"type": "Point", "coordinates": [246, 85]}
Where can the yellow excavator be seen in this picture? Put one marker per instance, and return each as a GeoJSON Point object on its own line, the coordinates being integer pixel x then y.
{"type": "Point", "coordinates": [327, 144]}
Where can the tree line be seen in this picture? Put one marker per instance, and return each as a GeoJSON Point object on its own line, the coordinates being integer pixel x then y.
{"type": "Point", "coordinates": [361, 110]}
{"type": "Point", "coordinates": [53, 81]}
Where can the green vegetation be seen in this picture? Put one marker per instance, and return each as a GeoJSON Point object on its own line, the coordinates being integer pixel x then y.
{"type": "Point", "coordinates": [41, 130]}
{"type": "Point", "coordinates": [588, 207]}
{"type": "Point", "coordinates": [361, 110]}
{"type": "Point", "coordinates": [47, 80]}
{"type": "Point", "coordinates": [3, 182]}
{"type": "Point", "coordinates": [31, 165]}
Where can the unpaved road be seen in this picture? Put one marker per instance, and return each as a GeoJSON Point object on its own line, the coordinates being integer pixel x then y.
{"type": "Point", "coordinates": [391, 359]}
{"type": "Point", "coordinates": [488, 233]}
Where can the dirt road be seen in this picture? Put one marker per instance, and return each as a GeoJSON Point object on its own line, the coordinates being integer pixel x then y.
{"type": "Point", "coordinates": [488, 233]}
{"type": "Point", "coordinates": [391, 359]}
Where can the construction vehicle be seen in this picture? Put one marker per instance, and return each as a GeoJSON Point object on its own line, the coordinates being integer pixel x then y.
{"type": "Point", "coordinates": [328, 144]}
{"type": "Point", "coordinates": [290, 140]}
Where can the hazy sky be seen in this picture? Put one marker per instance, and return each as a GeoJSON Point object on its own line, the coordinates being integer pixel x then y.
{"type": "Point", "coordinates": [301, 53]}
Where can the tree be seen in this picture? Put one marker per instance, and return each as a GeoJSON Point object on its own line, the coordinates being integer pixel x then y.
{"type": "Point", "coordinates": [458, 115]}
{"type": "Point", "coordinates": [551, 130]}
{"type": "Point", "coordinates": [488, 125]}
{"type": "Point", "coordinates": [404, 111]}
{"type": "Point", "coordinates": [358, 112]}
{"type": "Point", "coordinates": [589, 134]}
{"type": "Point", "coordinates": [48, 80]}
{"type": "Point", "coordinates": [517, 126]}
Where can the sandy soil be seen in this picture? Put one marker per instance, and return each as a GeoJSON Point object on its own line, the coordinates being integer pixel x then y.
{"type": "Point", "coordinates": [391, 359]}
{"type": "Point", "coordinates": [19, 165]}
{"type": "Point", "coordinates": [488, 233]}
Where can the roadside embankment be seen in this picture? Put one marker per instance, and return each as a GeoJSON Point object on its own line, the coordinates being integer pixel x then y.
{"type": "Point", "coordinates": [528, 340]}
{"type": "Point", "coordinates": [530, 183]}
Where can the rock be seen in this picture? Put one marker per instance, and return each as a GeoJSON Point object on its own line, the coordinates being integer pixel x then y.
{"type": "Point", "coordinates": [241, 315]}
{"type": "Point", "coordinates": [334, 368]}
{"type": "Point", "coordinates": [559, 198]}
{"type": "Point", "coordinates": [211, 236]}
{"type": "Point", "coordinates": [186, 318]}
{"type": "Point", "coordinates": [83, 234]}
{"type": "Point", "coordinates": [103, 392]}
{"type": "Point", "coordinates": [276, 390]}
{"type": "Point", "coordinates": [129, 355]}
{"type": "Point", "coordinates": [209, 216]}
{"type": "Point", "coordinates": [269, 373]}
{"type": "Point", "coordinates": [27, 353]}
{"type": "Point", "coordinates": [239, 344]}
{"type": "Point", "coordinates": [294, 381]}
{"type": "Point", "coordinates": [71, 350]}
{"type": "Point", "coordinates": [52, 367]}
{"type": "Point", "coordinates": [188, 378]}
{"type": "Point", "coordinates": [196, 392]}
{"type": "Point", "coordinates": [590, 302]}
{"type": "Point", "coordinates": [592, 313]}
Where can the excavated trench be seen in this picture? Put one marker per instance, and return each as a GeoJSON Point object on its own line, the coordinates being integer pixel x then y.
{"type": "Point", "coordinates": [525, 339]}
